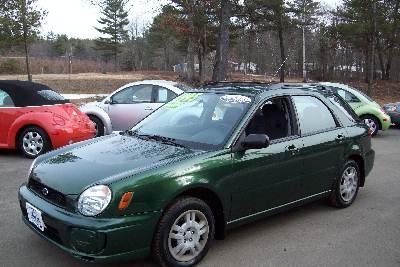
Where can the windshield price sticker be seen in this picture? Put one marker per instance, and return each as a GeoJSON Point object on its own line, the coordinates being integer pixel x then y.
{"type": "Point", "coordinates": [235, 99]}
{"type": "Point", "coordinates": [183, 99]}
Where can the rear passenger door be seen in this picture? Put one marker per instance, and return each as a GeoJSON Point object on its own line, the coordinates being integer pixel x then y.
{"type": "Point", "coordinates": [323, 144]}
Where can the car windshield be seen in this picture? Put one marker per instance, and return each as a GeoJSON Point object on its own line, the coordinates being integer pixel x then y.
{"type": "Point", "coordinates": [196, 120]}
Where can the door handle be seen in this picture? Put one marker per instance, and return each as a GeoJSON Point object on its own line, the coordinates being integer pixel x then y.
{"type": "Point", "coordinates": [340, 137]}
{"type": "Point", "coordinates": [292, 149]}
{"type": "Point", "coordinates": [148, 108]}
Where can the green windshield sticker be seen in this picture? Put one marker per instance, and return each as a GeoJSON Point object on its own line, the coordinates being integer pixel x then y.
{"type": "Point", "coordinates": [183, 99]}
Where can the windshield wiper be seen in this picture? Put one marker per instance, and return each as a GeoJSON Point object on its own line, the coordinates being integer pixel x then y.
{"type": "Point", "coordinates": [159, 138]}
{"type": "Point", "coordinates": [164, 140]}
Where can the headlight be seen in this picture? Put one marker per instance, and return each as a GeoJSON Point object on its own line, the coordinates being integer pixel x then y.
{"type": "Point", "coordinates": [94, 200]}
{"type": "Point", "coordinates": [31, 168]}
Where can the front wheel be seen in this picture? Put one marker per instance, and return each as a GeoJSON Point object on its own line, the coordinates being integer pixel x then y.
{"type": "Point", "coordinates": [346, 187]}
{"type": "Point", "coordinates": [372, 123]}
{"type": "Point", "coordinates": [184, 234]}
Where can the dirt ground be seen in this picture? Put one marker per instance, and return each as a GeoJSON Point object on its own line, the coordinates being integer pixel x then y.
{"type": "Point", "coordinates": [384, 91]}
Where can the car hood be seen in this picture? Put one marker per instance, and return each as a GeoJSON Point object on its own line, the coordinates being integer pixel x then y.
{"type": "Point", "coordinates": [110, 158]}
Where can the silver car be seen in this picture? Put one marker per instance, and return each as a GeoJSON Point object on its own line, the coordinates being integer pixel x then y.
{"type": "Point", "coordinates": [128, 105]}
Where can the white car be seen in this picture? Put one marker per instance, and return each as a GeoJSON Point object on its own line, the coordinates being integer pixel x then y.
{"type": "Point", "coordinates": [128, 105]}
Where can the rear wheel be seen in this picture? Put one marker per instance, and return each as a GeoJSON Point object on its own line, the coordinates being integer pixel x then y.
{"type": "Point", "coordinates": [372, 122]}
{"type": "Point", "coordinates": [33, 142]}
{"type": "Point", "coordinates": [184, 234]}
{"type": "Point", "coordinates": [346, 187]}
{"type": "Point", "coordinates": [98, 124]}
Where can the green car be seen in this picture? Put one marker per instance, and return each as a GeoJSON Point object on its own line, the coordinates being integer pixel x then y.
{"type": "Point", "coordinates": [210, 160]}
{"type": "Point", "coordinates": [366, 108]}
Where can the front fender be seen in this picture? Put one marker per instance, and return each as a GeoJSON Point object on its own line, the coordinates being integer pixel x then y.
{"type": "Point", "coordinates": [35, 119]}
{"type": "Point", "coordinates": [99, 113]}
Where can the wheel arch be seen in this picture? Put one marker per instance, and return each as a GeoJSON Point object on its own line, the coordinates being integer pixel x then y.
{"type": "Point", "coordinates": [360, 162]}
{"type": "Point", "coordinates": [372, 115]}
{"type": "Point", "coordinates": [213, 201]}
{"type": "Point", "coordinates": [101, 115]}
{"type": "Point", "coordinates": [24, 127]}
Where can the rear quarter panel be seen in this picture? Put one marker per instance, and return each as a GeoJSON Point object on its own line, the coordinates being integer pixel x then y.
{"type": "Point", "coordinates": [23, 117]}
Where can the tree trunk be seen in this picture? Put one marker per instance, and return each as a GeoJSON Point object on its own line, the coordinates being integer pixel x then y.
{"type": "Point", "coordinates": [25, 29]}
{"type": "Point", "coordinates": [221, 57]}
{"type": "Point", "coordinates": [282, 48]}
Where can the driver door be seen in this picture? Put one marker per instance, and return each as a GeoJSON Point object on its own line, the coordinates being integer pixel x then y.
{"type": "Point", "coordinates": [266, 178]}
{"type": "Point", "coordinates": [130, 105]}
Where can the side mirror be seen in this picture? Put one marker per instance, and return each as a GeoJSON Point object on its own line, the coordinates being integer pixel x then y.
{"type": "Point", "coordinates": [109, 101]}
{"type": "Point", "coordinates": [256, 141]}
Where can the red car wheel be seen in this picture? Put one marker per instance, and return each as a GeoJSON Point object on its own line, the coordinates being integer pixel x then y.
{"type": "Point", "coordinates": [33, 142]}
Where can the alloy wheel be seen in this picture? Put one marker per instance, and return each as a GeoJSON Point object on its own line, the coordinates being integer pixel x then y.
{"type": "Point", "coordinates": [188, 235]}
{"type": "Point", "coordinates": [371, 124]}
{"type": "Point", "coordinates": [348, 183]}
{"type": "Point", "coordinates": [32, 143]}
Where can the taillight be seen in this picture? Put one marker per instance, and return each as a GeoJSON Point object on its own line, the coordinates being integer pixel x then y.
{"type": "Point", "coordinates": [58, 120]}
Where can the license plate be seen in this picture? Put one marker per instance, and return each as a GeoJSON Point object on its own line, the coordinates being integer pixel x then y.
{"type": "Point", "coordinates": [35, 216]}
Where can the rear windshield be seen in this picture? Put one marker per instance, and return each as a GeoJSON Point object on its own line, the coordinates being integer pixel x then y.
{"type": "Point", "coordinates": [51, 95]}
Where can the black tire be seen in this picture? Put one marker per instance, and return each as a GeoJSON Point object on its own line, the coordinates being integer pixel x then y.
{"type": "Point", "coordinates": [160, 248]}
{"type": "Point", "coordinates": [99, 125]}
{"type": "Point", "coordinates": [374, 120]}
{"type": "Point", "coordinates": [30, 152]}
{"type": "Point", "coordinates": [336, 198]}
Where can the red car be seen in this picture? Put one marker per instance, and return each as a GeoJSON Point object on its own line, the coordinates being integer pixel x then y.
{"type": "Point", "coordinates": [35, 119]}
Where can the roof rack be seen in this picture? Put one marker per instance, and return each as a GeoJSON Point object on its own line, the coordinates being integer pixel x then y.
{"type": "Point", "coordinates": [237, 83]}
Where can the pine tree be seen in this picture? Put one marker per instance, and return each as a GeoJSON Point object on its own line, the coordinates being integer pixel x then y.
{"type": "Point", "coordinates": [114, 20]}
{"type": "Point", "coordinates": [20, 23]}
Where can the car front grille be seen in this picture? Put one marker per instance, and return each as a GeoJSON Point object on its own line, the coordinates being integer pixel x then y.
{"type": "Point", "coordinates": [47, 193]}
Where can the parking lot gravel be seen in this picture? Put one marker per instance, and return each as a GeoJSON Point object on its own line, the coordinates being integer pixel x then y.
{"type": "Point", "coordinates": [365, 234]}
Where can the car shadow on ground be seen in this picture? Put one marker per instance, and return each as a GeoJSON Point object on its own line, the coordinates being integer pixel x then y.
{"type": "Point", "coordinates": [249, 232]}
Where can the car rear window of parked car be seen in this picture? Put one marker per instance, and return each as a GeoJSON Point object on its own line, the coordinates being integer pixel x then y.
{"type": "Point", "coordinates": [51, 95]}
{"type": "Point", "coordinates": [313, 115]}
{"type": "Point", "coordinates": [5, 100]}
{"type": "Point", "coordinates": [344, 107]}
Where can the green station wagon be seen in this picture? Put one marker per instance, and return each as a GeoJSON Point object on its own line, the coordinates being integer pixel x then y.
{"type": "Point", "coordinates": [210, 160]}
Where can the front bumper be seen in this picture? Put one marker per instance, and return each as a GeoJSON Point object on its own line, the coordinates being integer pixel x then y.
{"type": "Point", "coordinates": [89, 238]}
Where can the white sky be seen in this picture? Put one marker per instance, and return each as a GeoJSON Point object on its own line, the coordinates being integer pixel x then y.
{"type": "Point", "coordinates": [77, 18]}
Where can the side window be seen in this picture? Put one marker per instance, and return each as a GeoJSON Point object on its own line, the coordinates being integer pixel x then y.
{"type": "Point", "coordinates": [398, 107]}
{"type": "Point", "coordinates": [344, 107]}
{"type": "Point", "coordinates": [133, 95]}
{"type": "Point", "coordinates": [349, 97]}
{"type": "Point", "coordinates": [5, 99]}
{"type": "Point", "coordinates": [313, 115]}
{"type": "Point", "coordinates": [273, 119]}
{"type": "Point", "coordinates": [163, 95]}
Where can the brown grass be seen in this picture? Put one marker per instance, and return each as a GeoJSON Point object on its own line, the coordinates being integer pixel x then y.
{"type": "Point", "coordinates": [384, 91]}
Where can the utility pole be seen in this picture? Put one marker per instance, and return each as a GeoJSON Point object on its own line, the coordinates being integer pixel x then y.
{"type": "Point", "coordinates": [304, 43]}
{"type": "Point", "coordinates": [372, 51]}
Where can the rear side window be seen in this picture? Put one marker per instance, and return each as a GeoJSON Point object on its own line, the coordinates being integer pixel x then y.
{"type": "Point", "coordinates": [163, 95]}
{"type": "Point", "coordinates": [51, 95]}
{"type": "Point", "coordinates": [349, 97]}
{"type": "Point", "coordinates": [5, 99]}
{"type": "Point", "coordinates": [313, 115]}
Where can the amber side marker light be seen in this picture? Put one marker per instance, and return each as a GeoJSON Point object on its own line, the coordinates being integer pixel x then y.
{"type": "Point", "coordinates": [125, 200]}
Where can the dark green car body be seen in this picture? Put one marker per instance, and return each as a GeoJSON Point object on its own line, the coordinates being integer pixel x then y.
{"type": "Point", "coordinates": [239, 185]}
